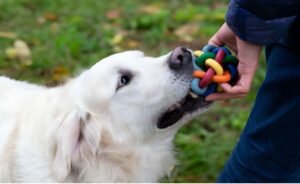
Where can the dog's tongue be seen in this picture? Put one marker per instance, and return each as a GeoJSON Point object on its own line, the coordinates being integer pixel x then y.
{"type": "Point", "coordinates": [190, 104]}
{"type": "Point", "coordinates": [169, 118]}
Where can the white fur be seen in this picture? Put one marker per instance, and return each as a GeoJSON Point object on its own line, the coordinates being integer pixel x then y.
{"type": "Point", "coordinates": [85, 130]}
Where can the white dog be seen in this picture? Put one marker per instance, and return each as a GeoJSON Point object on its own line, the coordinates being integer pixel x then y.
{"type": "Point", "coordinates": [113, 123]}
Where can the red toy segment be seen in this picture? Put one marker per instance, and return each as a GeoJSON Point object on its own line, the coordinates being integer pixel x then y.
{"type": "Point", "coordinates": [210, 72]}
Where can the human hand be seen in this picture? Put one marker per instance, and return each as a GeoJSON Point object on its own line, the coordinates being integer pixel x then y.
{"type": "Point", "coordinates": [248, 55]}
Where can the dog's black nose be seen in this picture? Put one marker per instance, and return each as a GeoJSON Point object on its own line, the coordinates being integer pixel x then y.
{"type": "Point", "coordinates": [180, 59]}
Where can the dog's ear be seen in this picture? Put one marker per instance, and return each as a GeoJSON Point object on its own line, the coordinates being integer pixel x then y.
{"type": "Point", "coordinates": [76, 144]}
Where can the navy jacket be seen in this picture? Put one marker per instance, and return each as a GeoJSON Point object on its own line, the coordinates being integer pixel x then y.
{"type": "Point", "coordinates": [265, 22]}
{"type": "Point", "coordinates": [269, 147]}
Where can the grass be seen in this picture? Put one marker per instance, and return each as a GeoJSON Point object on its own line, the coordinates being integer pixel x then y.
{"type": "Point", "coordinates": [66, 36]}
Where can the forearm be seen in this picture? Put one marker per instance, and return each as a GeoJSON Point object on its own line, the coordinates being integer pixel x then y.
{"type": "Point", "coordinates": [261, 21]}
{"type": "Point", "coordinates": [270, 9]}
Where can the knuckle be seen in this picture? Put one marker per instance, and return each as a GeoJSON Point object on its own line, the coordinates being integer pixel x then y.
{"type": "Point", "coordinates": [245, 91]}
{"type": "Point", "coordinates": [211, 41]}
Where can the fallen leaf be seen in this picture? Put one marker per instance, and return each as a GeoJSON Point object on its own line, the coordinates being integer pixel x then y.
{"type": "Point", "coordinates": [117, 39]}
{"type": "Point", "coordinates": [220, 5]}
{"type": "Point", "coordinates": [151, 9]}
{"type": "Point", "coordinates": [10, 35]}
{"type": "Point", "coordinates": [11, 53]}
{"type": "Point", "coordinates": [54, 27]}
{"type": "Point", "coordinates": [106, 26]}
{"type": "Point", "coordinates": [199, 17]}
{"type": "Point", "coordinates": [50, 16]}
{"type": "Point", "coordinates": [35, 41]}
{"type": "Point", "coordinates": [112, 14]}
{"type": "Point", "coordinates": [132, 44]}
{"type": "Point", "coordinates": [41, 20]}
{"type": "Point", "coordinates": [186, 32]}
{"type": "Point", "coordinates": [190, 28]}
{"type": "Point", "coordinates": [220, 16]}
{"type": "Point", "coordinates": [60, 73]}
{"type": "Point", "coordinates": [21, 52]}
{"type": "Point", "coordinates": [117, 49]}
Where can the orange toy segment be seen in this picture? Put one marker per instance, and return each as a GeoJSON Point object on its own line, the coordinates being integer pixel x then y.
{"type": "Point", "coordinates": [226, 77]}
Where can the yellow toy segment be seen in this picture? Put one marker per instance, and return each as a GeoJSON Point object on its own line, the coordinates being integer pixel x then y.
{"type": "Point", "coordinates": [198, 53]}
{"type": "Point", "coordinates": [215, 66]}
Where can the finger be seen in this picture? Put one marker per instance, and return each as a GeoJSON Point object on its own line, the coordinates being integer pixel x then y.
{"type": "Point", "coordinates": [243, 85]}
{"type": "Point", "coordinates": [223, 96]}
{"type": "Point", "coordinates": [224, 36]}
{"type": "Point", "coordinates": [215, 40]}
{"type": "Point", "coordinates": [240, 88]}
{"type": "Point", "coordinates": [237, 91]}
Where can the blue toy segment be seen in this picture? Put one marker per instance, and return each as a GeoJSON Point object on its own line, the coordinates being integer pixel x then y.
{"type": "Point", "coordinates": [210, 89]}
{"type": "Point", "coordinates": [195, 87]}
{"type": "Point", "coordinates": [233, 71]}
{"type": "Point", "coordinates": [227, 51]}
{"type": "Point", "coordinates": [208, 48]}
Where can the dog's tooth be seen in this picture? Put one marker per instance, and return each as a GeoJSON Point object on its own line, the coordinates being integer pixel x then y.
{"type": "Point", "coordinates": [193, 95]}
{"type": "Point", "coordinates": [171, 108]}
{"type": "Point", "coordinates": [177, 105]}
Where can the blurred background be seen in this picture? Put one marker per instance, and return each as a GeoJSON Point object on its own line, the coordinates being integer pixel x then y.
{"type": "Point", "coordinates": [48, 41]}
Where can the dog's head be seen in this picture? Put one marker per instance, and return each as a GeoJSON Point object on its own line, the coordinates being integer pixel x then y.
{"type": "Point", "coordinates": [135, 98]}
{"type": "Point", "coordinates": [143, 94]}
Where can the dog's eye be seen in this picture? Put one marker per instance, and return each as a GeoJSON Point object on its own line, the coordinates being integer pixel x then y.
{"type": "Point", "coordinates": [124, 80]}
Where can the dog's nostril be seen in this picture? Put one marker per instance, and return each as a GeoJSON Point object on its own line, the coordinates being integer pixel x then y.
{"type": "Point", "coordinates": [179, 61]}
{"type": "Point", "coordinates": [179, 57]}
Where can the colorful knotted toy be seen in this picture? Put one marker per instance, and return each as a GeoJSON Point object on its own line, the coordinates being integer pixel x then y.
{"type": "Point", "coordinates": [213, 66]}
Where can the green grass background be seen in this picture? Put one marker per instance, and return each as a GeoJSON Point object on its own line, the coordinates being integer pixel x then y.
{"type": "Point", "coordinates": [66, 36]}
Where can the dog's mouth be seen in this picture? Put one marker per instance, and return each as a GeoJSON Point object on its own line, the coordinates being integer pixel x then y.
{"type": "Point", "coordinates": [191, 103]}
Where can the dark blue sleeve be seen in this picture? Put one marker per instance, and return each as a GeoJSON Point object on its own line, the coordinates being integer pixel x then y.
{"type": "Point", "coordinates": [261, 22]}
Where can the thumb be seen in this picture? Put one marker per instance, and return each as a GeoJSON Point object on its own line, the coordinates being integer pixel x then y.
{"type": "Point", "coordinates": [215, 40]}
